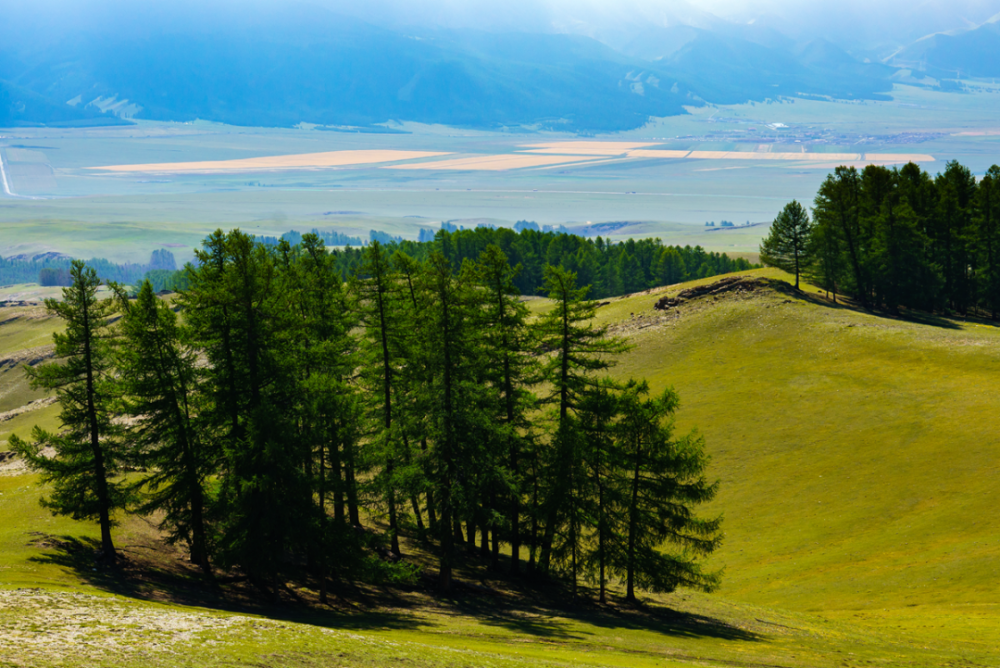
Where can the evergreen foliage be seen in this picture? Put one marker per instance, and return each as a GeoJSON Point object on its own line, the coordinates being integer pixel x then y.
{"type": "Point", "coordinates": [787, 245]}
{"type": "Point", "coordinates": [89, 457]}
{"type": "Point", "coordinates": [158, 378]}
{"type": "Point", "coordinates": [664, 479]}
{"type": "Point", "coordinates": [610, 269]}
{"type": "Point", "coordinates": [580, 349]}
{"type": "Point", "coordinates": [285, 415]}
{"type": "Point", "coordinates": [895, 238]}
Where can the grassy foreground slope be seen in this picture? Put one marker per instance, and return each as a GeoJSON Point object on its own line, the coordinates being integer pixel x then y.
{"type": "Point", "coordinates": [858, 466]}
{"type": "Point", "coordinates": [858, 453]}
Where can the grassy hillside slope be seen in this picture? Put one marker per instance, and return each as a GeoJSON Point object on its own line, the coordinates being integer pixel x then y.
{"type": "Point", "coordinates": [858, 465]}
{"type": "Point", "coordinates": [858, 453]}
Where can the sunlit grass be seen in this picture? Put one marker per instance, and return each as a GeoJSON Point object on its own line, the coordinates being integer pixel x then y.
{"type": "Point", "coordinates": [858, 465]}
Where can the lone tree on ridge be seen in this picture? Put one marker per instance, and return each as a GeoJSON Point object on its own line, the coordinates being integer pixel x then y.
{"type": "Point", "coordinates": [788, 246]}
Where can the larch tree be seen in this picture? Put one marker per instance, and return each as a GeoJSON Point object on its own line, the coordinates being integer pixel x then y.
{"type": "Point", "coordinates": [88, 459]}
{"type": "Point", "coordinates": [452, 399]}
{"type": "Point", "coordinates": [509, 343]}
{"type": "Point", "coordinates": [381, 310]}
{"type": "Point", "coordinates": [663, 479]}
{"type": "Point", "coordinates": [579, 350]}
{"type": "Point", "coordinates": [265, 498]}
{"type": "Point", "coordinates": [788, 246]}
{"type": "Point", "coordinates": [158, 376]}
{"type": "Point", "coordinates": [324, 356]}
{"type": "Point", "coordinates": [987, 232]}
{"type": "Point", "coordinates": [598, 416]}
{"type": "Point", "coordinates": [836, 211]}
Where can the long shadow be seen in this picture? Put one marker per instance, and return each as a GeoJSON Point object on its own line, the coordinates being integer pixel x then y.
{"type": "Point", "coordinates": [527, 607]}
{"type": "Point", "coordinates": [847, 304]}
{"type": "Point", "coordinates": [140, 580]}
{"type": "Point", "coordinates": [553, 622]}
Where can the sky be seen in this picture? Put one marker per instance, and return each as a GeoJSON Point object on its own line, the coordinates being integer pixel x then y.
{"type": "Point", "coordinates": [848, 22]}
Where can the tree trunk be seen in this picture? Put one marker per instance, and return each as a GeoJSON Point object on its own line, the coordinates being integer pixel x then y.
{"type": "Point", "coordinates": [352, 486]}
{"type": "Point", "coordinates": [100, 472]}
{"type": "Point", "coordinates": [417, 514]}
{"type": "Point", "coordinates": [632, 528]}
{"type": "Point", "coordinates": [484, 539]}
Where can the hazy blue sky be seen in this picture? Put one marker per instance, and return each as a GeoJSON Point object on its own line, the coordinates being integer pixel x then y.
{"type": "Point", "coordinates": [846, 21]}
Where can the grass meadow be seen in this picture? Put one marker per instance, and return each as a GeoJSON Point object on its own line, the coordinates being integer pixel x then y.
{"type": "Point", "coordinates": [857, 460]}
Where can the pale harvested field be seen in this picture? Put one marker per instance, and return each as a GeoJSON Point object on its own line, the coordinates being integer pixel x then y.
{"type": "Point", "coordinates": [572, 146]}
{"type": "Point", "coordinates": [581, 151]}
{"type": "Point", "coordinates": [657, 153]}
{"type": "Point", "coordinates": [898, 157]}
{"type": "Point", "coordinates": [753, 155]}
{"type": "Point", "coordinates": [279, 162]}
{"type": "Point", "coordinates": [494, 163]}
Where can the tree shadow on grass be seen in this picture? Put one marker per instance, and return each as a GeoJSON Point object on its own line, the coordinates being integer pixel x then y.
{"type": "Point", "coordinates": [564, 622]}
{"type": "Point", "coordinates": [843, 303]}
{"type": "Point", "coordinates": [179, 584]}
{"type": "Point", "coordinates": [529, 608]}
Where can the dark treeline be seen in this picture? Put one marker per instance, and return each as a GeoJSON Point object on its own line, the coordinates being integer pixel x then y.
{"type": "Point", "coordinates": [329, 237]}
{"type": "Point", "coordinates": [611, 269]}
{"type": "Point", "coordinates": [49, 271]}
{"type": "Point", "coordinates": [895, 238]}
{"type": "Point", "coordinates": [288, 420]}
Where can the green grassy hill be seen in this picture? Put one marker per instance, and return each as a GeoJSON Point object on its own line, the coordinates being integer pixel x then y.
{"type": "Point", "coordinates": [858, 461]}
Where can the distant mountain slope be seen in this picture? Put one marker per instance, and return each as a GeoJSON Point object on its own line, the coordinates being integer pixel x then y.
{"type": "Point", "coordinates": [298, 63]}
{"type": "Point", "coordinates": [729, 70]}
{"type": "Point", "coordinates": [313, 66]}
{"type": "Point", "coordinates": [20, 106]}
{"type": "Point", "coordinates": [974, 53]}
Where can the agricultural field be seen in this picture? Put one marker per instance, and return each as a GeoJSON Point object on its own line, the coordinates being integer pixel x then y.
{"type": "Point", "coordinates": [857, 486]}
{"type": "Point", "coordinates": [122, 192]}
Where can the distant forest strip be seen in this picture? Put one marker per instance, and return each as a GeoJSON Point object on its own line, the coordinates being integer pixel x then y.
{"type": "Point", "coordinates": [50, 269]}
{"type": "Point", "coordinates": [899, 237]}
{"type": "Point", "coordinates": [609, 268]}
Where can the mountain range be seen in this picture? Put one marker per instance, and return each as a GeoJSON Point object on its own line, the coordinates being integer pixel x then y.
{"type": "Point", "coordinates": [271, 65]}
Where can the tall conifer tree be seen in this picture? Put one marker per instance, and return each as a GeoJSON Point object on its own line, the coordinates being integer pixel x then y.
{"type": "Point", "coordinates": [381, 311]}
{"type": "Point", "coordinates": [239, 315]}
{"type": "Point", "coordinates": [508, 343]}
{"type": "Point", "coordinates": [580, 349]}
{"type": "Point", "coordinates": [789, 246]}
{"type": "Point", "coordinates": [987, 237]}
{"type": "Point", "coordinates": [88, 461]}
{"type": "Point", "coordinates": [452, 398]}
{"type": "Point", "coordinates": [159, 379]}
{"type": "Point", "coordinates": [663, 479]}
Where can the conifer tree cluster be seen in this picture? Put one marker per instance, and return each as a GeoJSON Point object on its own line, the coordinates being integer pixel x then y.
{"type": "Point", "coordinates": [281, 419]}
{"type": "Point", "coordinates": [898, 237]}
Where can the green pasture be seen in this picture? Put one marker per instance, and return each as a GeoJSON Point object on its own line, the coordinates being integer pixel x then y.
{"type": "Point", "coordinates": [25, 335]}
{"type": "Point", "coordinates": [856, 451]}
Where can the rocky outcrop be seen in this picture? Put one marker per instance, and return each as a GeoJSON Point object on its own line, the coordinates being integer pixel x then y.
{"type": "Point", "coordinates": [729, 284]}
